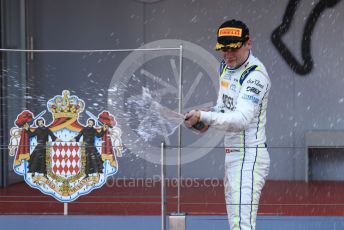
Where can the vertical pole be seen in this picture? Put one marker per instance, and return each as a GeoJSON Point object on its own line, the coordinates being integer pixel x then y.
{"type": "Point", "coordinates": [180, 108]}
{"type": "Point", "coordinates": [307, 164]}
{"type": "Point", "coordinates": [65, 209]}
{"type": "Point", "coordinates": [163, 189]}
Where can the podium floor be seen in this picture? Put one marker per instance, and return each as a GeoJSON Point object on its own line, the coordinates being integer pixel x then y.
{"type": "Point", "coordinates": [154, 222]}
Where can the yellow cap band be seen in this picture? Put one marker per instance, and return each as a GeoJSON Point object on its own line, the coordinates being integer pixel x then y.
{"type": "Point", "coordinates": [234, 45]}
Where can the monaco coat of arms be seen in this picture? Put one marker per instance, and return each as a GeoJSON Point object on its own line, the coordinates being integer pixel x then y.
{"type": "Point", "coordinates": [65, 159]}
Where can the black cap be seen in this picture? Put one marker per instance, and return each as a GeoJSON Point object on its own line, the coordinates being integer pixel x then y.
{"type": "Point", "coordinates": [232, 34]}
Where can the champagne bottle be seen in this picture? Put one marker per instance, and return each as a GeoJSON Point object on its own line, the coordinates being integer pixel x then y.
{"type": "Point", "coordinates": [200, 127]}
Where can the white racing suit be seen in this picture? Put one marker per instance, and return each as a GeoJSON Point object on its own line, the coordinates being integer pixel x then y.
{"type": "Point", "coordinates": [241, 111]}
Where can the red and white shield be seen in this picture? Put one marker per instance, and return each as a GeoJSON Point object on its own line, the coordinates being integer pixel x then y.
{"type": "Point", "coordinates": [65, 158]}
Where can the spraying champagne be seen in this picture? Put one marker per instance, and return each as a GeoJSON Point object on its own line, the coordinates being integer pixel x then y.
{"type": "Point", "coordinates": [192, 121]}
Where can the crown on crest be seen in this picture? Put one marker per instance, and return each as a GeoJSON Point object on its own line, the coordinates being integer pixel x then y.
{"type": "Point", "coordinates": [65, 105]}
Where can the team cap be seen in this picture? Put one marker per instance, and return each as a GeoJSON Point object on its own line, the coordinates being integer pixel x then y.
{"type": "Point", "coordinates": [232, 34]}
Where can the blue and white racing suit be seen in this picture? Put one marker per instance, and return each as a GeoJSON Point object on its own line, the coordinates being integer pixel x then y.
{"type": "Point", "coordinates": [241, 111]}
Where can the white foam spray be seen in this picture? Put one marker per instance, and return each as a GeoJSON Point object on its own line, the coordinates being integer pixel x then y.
{"type": "Point", "coordinates": [154, 119]}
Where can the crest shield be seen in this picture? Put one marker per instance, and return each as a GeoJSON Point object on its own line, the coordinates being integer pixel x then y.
{"type": "Point", "coordinates": [65, 159]}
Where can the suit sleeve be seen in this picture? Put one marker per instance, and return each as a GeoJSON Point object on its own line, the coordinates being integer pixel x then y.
{"type": "Point", "coordinates": [31, 133]}
{"type": "Point", "coordinates": [251, 94]}
{"type": "Point", "coordinates": [51, 134]}
{"type": "Point", "coordinates": [77, 138]}
{"type": "Point", "coordinates": [219, 103]}
{"type": "Point", "coordinates": [99, 132]}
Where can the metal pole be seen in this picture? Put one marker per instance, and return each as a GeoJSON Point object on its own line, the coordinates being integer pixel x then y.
{"type": "Point", "coordinates": [65, 209]}
{"type": "Point", "coordinates": [163, 189]}
{"type": "Point", "coordinates": [180, 108]}
{"type": "Point", "coordinates": [177, 221]}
